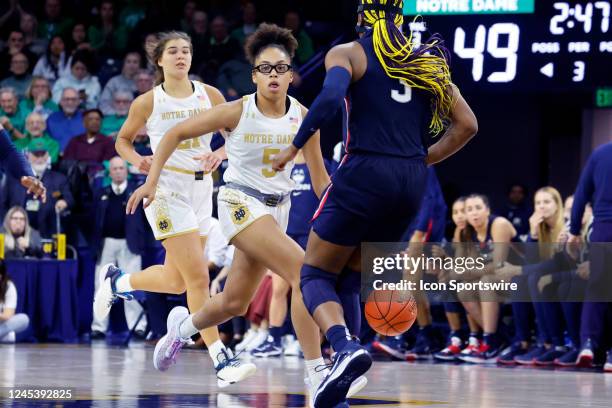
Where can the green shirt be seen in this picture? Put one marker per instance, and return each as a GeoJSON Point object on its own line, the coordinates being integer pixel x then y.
{"type": "Point", "coordinates": [118, 41]}
{"type": "Point", "coordinates": [111, 124]}
{"type": "Point", "coordinates": [27, 106]}
{"type": "Point", "coordinates": [52, 145]}
{"type": "Point", "coordinates": [18, 119]}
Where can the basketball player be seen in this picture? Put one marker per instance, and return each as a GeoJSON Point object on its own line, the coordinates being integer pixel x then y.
{"type": "Point", "coordinates": [393, 87]}
{"type": "Point", "coordinates": [14, 162]}
{"type": "Point", "coordinates": [254, 203]}
{"type": "Point", "coordinates": [181, 215]}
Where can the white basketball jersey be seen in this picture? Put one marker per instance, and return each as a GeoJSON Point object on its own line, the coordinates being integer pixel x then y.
{"type": "Point", "coordinates": [168, 112]}
{"type": "Point", "coordinates": [251, 146]}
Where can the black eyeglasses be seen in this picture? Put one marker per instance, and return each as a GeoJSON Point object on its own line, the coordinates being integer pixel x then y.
{"type": "Point", "coordinates": [266, 69]}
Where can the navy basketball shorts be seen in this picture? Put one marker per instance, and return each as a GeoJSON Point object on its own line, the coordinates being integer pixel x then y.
{"type": "Point", "coordinates": [372, 198]}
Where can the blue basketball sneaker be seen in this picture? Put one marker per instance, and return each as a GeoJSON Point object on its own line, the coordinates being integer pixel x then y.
{"type": "Point", "coordinates": [568, 359]}
{"type": "Point", "coordinates": [531, 355]}
{"type": "Point", "coordinates": [548, 358]}
{"type": "Point", "coordinates": [508, 355]}
{"type": "Point", "coordinates": [107, 291]}
{"type": "Point", "coordinates": [586, 356]}
{"type": "Point", "coordinates": [348, 365]}
{"type": "Point", "coordinates": [267, 349]}
{"type": "Point", "coordinates": [391, 346]}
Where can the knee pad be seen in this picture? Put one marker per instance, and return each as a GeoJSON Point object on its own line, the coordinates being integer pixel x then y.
{"type": "Point", "coordinates": [318, 287]}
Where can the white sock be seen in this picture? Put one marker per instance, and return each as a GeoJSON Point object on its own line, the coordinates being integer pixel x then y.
{"type": "Point", "coordinates": [123, 284]}
{"type": "Point", "coordinates": [187, 329]}
{"type": "Point", "coordinates": [315, 376]}
{"type": "Point", "coordinates": [214, 350]}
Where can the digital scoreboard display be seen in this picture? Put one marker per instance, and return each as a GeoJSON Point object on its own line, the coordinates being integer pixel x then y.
{"type": "Point", "coordinates": [521, 44]}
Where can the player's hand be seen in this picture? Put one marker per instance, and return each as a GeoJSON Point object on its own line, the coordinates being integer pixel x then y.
{"type": "Point", "coordinates": [145, 192]}
{"type": "Point", "coordinates": [145, 164]}
{"type": "Point", "coordinates": [215, 287]}
{"type": "Point", "coordinates": [209, 161]}
{"type": "Point", "coordinates": [280, 160]}
{"type": "Point", "coordinates": [35, 187]}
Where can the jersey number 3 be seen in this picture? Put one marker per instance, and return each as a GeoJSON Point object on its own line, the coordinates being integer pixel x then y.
{"type": "Point", "coordinates": [402, 97]}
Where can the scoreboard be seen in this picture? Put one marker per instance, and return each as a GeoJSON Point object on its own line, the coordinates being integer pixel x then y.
{"type": "Point", "coordinates": [524, 45]}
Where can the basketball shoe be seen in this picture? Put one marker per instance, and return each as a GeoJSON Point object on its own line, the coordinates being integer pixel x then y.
{"type": "Point", "coordinates": [107, 292]}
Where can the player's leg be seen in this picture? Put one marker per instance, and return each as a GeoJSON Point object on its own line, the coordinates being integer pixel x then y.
{"type": "Point", "coordinates": [128, 261]}
{"type": "Point", "coordinates": [278, 313]}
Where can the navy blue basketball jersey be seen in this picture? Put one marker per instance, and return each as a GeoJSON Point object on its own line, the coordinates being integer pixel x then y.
{"type": "Point", "coordinates": [386, 116]}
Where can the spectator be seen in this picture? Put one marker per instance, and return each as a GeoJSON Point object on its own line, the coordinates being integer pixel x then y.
{"type": "Point", "coordinates": [144, 82]}
{"type": "Point", "coordinates": [68, 122]}
{"type": "Point", "coordinates": [16, 45]}
{"type": "Point", "coordinates": [35, 130]}
{"type": "Point", "coordinates": [41, 215]}
{"type": "Point", "coordinates": [38, 98]}
{"type": "Point", "coordinates": [10, 323]}
{"type": "Point", "coordinates": [80, 79]}
{"type": "Point", "coordinates": [189, 10]}
{"type": "Point", "coordinates": [29, 26]}
{"type": "Point", "coordinates": [517, 209]}
{"type": "Point", "coordinates": [222, 47]}
{"type": "Point", "coordinates": [120, 238]}
{"type": "Point", "coordinates": [199, 37]}
{"type": "Point", "coordinates": [55, 63]}
{"type": "Point", "coordinates": [132, 11]}
{"type": "Point", "coordinates": [53, 23]}
{"type": "Point", "coordinates": [78, 39]}
{"type": "Point", "coordinates": [249, 23]}
{"type": "Point", "coordinates": [11, 117]}
{"type": "Point", "coordinates": [305, 49]}
{"type": "Point", "coordinates": [124, 81]}
{"type": "Point", "coordinates": [20, 240]}
{"type": "Point", "coordinates": [234, 78]}
{"type": "Point", "coordinates": [111, 124]}
{"type": "Point", "coordinates": [20, 78]}
{"type": "Point", "coordinates": [108, 37]}
{"type": "Point", "coordinates": [92, 147]}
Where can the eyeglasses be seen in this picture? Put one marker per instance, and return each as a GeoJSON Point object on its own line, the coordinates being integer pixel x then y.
{"type": "Point", "coordinates": [266, 69]}
{"type": "Point", "coordinates": [17, 218]}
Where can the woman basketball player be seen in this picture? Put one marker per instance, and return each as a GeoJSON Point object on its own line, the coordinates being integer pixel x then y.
{"type": "Point", "coordinates": [393, 86]}
{"type": "Point", "coordinates": [181, 215]}
{"type": "Point", "coordinates": [254, 203]}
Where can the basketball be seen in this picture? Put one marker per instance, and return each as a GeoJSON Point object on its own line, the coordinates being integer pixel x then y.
{"type": "Point", "coordinates": [390, 312]}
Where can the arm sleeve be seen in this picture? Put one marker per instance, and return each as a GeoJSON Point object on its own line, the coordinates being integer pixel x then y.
{"type": "Point", "coordinates": [582, 196]}
{"type": "Point", "coordinates": [11, 159]}
{"type": "Point", "coordinates": [325, 105]}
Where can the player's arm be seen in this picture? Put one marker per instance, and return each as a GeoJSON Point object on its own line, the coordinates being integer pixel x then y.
{"type": "Point", "coordinates": [314, 161]}
{"type": "Point", "coordinates": [222, 116]}
{"type": "Point", "coordinates": [337, 80]}
{"type": "Point", "coordinates": [211, 160]}
{"type": "Point", "coordinates": [140, 110]}
{"type": "Point", "coordinates": [462, 128]}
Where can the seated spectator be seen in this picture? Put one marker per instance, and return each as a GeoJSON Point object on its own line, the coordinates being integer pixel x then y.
{"type": "Point", "coordinates": [305, 49]}
{"type": "Point", "coordinates": [132, 11]}
{"type": "Point", "coordinates": [119, 238]}
{"type": "Point", "coordinates": [53, 23]}
{"type": "Point", "coordinates": [108, 37]}
{"type": "Point", "coordinates": [199, 37]}
{"type": "Point", "coordinates": [249, 23]}
{"type": "Point", "coordinates": [19, 78]}
{"type": "Point", "coordinates": [124, 81]}
{"type": "Point", "coordinates": [222, 48]}
{"type": "Point", "coordinates": [517, 208]}
{"type": "Point", "coordinates": [122, 99]}
{"type": "Point", "coordinates": [38, 98]}
{"type": "Point", "coordinates": [10, 323]}
{"type": "Point", "coordinates": [234, 78]}
{"type": "Point", "coordinates": [68, 121]}
{"type": "Point", "coordinates": [15, 45]}
{"type": "Point", "coordinates": [35, 131]}
{"type": "Point", "coordinates": [20, 240]}
{"type": "Point", "coordinates": [80, 79]}
{"type": "Point", "coordinates": [144, 82]}
{"type": "Point", "coordinates": [78, 39]}
{"type": "Point", "coordinates": [55, 63]}
{"type": "Point", "coordinates": [41, 215]}
{"type": "Point", "coordinates": [29, 26]}
{"type": "Point", "coordinates": [92, 147]}
{"type": "Point", "coordinates": [189, 10]}
{"type": "Point", "coordinates": [11, 117]}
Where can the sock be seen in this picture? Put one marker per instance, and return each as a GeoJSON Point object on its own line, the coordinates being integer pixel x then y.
{"type": "Point", "coordinates": [490, 339]}
{"type": "Point", "coordinates": [348, 287]}
{"type": "Point", "coordinates": [476, 335]}
{"type": "Point", "coordinates": [318, 287]}
{"type": "Point", "coordinates": [455, 333]}
{"type": "Point", "coordinates": [338, 337]}
{"type": "Point", "coordinates": [214, 350]}
{"type": "Point", "coordinates": [315, 376]}
{"type": "Point", "coordinates": [123, 284]}
{"type": "Point", "coordinates": [187, 328]}
{"type": "Point", "coordinates": [275, 332]}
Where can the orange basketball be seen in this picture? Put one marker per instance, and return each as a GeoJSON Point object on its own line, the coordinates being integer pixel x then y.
{"type": "Point", "coordinates": [390, 312]}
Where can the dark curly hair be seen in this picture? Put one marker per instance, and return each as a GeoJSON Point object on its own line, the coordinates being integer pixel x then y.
{"type": "Point", "coordinates": [270, 35]}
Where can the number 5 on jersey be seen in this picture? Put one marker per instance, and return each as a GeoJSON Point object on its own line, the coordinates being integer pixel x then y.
{"type": "Point", "coordinates": [267, 159]}
{"type": "Point", "coordinates": [402, 97]}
